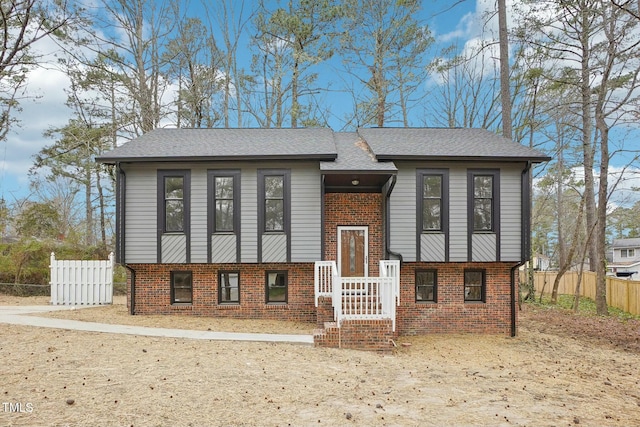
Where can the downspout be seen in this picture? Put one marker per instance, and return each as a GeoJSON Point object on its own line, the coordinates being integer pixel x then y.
{"type": "Point", "coordinates": [525, 240]}
{"type": "Point", "coordinates": [387, 222]}
{"type": "Point", "coordinates": [120, 227]}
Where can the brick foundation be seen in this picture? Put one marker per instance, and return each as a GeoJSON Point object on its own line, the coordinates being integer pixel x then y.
{"type": "Point", "coordinates": [451, 314]}
{"type": "Point", "coordinates": [153, 291]}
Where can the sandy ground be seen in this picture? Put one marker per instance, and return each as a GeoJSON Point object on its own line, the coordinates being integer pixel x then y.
{"type": "Point", "coordinates": [549, 375]}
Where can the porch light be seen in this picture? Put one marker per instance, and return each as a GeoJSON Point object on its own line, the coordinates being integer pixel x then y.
{"type": "Point", "coordinates": [355, 181]}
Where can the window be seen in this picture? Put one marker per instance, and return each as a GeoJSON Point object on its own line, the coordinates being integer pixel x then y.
{"type": "Point", "coordinates": [432, 200]}
{"type": "Point", "coordinates": [276, 286]}
{"type": "Point", "coordinates": [426, 286]}
{"type": "Point", "coordinates": [224, 201]}
{"type": "Point", "coordinates": [474, 285]}
{"type": "Point", "coordinates": [173, 201]}
{"type": "Point", "coordinates": [483, 196]}
{"type": "Point", "coordinates": [432, 203]}
{"type": "Point", "coordinates": [229, 287]}
{"type": "Point", "coordinates": [181, 287]}
{"type": "Point", "coordinates": [482, 203]}
{"type": "Point", "coordinates": [173, 204]}
{"type": "Point", "coordinates": [274, 203]}
{"type": "Point", "coordinates": [627, 253]}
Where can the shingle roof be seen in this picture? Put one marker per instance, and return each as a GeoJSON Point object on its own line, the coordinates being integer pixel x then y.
{"type": "Point", "coordinates": [226, 144]}
{"type": "Point", "coordinates": [445, 144]}
{"type": "Point", "coordinates": [370, 149]}
{"type": "Point", "coordinates": [626, 243]}
{"type": "Point", "coordinates": [354, 155]}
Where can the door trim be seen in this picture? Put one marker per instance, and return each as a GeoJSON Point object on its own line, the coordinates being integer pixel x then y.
{"type": "Point", "coordinates": [342, 228]}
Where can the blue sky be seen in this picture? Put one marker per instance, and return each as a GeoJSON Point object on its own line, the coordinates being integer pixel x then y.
{"type": "Point", "coordinates": [460, 24]}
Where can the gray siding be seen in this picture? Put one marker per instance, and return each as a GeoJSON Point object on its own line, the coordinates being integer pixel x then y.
{"type": "Point", "coordinates": [432, 247]}
{"type": "Point", "coordinates": [199, 215]}
{"type": "Point", "coordinates": [249, 214]}
{"type": "Point", "coordinates": [403, 213]}
{"type": "Point", "coordinates": [274, 247]}
{"type": "Point", "coordinates": [141, 215]}
{"type": "Point", "coordinates": [306, 213]}
{"type": "Point", "coordinates": [510, 213]}
{"type": "Point", "coordinates": [458, 213]}
{"type": "Point", "coordinates": [174, 248]}
{"type": "Point", "coordinates": [483, 247]}
{"type": "Point", "coordinates": [223, 248]}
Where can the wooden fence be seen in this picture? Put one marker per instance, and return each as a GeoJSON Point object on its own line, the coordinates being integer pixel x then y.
{"type": "Point", "coordinates": [81, 282]}
{"type": "Point", "coordinates": [621, 293]}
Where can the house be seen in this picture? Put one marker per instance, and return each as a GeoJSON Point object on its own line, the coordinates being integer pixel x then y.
{"type": "Point", "coordinates": [626, 258]}
{"type": "Point", "coordinates": [383, 231]}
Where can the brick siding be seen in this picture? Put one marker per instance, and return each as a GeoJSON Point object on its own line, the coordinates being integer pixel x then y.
{"type": "Point", "coordinates": [153, 291]}
{"type": "Point", "coordinates": [451, 314]}
{"type": "Point", "coordinates": [354, 209]}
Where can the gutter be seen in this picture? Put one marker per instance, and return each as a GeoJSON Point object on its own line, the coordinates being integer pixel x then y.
{"type": "Point", "coordinates": [120, 227]}
{"type": "Point", "coordinates": [525, 239]}
{"type": "Point", "coordinates": [387, 223]}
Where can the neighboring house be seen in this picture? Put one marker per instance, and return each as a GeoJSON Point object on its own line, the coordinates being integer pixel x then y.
{"type": "Point", "coordinates": [626, 258]}
{"type": "Point", "coordinates": [296, 224]}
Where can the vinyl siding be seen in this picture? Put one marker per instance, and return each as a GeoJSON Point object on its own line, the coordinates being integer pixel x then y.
{"type": "Point", "coordinates": [483, 247]}
{"type": "Point", "coordinates": [403, 226]}
{"type": "Point", "coordinates": [199, 215]}
{"type": "Point", "coordinates": [510, 213]}
{"type": "Point", "coordinates": [274, 247]}
{"type": "Point", "coordinates": [223, 248]}
{"type": "Point", "coordinates": [141, 214]}
{"type": "Point", "coordinates": [306, 213]}
{"type": "Point", "coordinates": [402, 212]}
{"type": "Point", "coordinates": [432, 247]}
{"type": "Point", "coordinates": [174, 248]}
{"type": "Point", "coordinates": [458, 213]}
{"type": "Point", "coordinates": [248, 214]}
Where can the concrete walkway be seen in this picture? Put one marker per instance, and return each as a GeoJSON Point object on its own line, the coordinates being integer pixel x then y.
{"type": "Point", "coordinates": [15, 315]}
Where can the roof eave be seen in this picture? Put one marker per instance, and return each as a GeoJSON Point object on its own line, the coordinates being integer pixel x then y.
{"type": "Point", "coordinates": [200, 159]}
{"type": "Point", "coordinates": [392, 157]}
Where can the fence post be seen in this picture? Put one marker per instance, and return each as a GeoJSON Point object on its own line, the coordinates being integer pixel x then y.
{"type": "Point", "coordinates": [54, 279]}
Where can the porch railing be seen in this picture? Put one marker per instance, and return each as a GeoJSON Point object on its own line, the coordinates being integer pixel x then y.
{"type": "Point", "coordinates": [360, 298]}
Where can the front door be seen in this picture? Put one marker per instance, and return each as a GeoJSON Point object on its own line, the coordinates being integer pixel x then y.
{"type": "Point", "coordinates": [353, 255]}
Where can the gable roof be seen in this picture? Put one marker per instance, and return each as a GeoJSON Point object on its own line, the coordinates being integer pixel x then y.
{"type": "Point", "coordinates": [370, 149]}
{"type": "Point", "coordinates": [446, 144]}
{"type": "Point", "coordinates": [354, 155]}
{"type": "Point", "coordinates": [226, 144]}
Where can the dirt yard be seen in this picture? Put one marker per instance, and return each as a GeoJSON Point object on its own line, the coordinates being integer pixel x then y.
{"type": "Point", "coordinates": [561, 370]}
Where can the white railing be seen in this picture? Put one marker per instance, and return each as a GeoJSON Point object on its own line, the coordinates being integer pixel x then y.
{"type": "Point", "coordinates": [391, 268]}
{"type": "Point", "coordinates": [325, 275]}
{"type": "Point", "coordinates": [81, 282]}
{"type": "Point", "coordinates": [365, 298]}
{"type": "Point", "coordinates": [360, 298]}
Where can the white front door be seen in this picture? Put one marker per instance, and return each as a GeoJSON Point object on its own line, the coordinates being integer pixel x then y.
{"type": "Point", "coordinates": [353, 251]}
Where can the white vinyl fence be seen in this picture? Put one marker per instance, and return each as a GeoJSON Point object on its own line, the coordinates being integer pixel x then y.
{"type": "Point", "coordinates": [81, 282]}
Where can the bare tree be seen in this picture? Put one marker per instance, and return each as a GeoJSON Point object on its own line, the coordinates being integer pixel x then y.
{"type": "Point", "coordinates": [24, 23]}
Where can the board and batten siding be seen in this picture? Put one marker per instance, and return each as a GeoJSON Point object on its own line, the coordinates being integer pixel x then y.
{"type": "Point", "coordinates": [403, 227]}
{"type": "Point", "coordinates": [141, 214]}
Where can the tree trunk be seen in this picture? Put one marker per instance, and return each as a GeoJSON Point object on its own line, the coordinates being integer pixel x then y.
{"type": "Point", "coordinates": [505, 92]}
